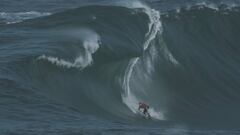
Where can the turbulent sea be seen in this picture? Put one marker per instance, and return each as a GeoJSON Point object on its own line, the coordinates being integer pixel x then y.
{"type": "Point", "coordinates": [76, 67]}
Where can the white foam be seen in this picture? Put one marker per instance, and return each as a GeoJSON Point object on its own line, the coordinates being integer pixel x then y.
{"type": "Point", "coordinates": [130, 4]}
{"type": "Point", "coordinates": [20, 16]}
{"type": "Point", "coordinates": [128, 98]}
{"type": "Point", "coordinates": [213, 6]}
{"type": "Point", "coordinates": [90, 45]}
{"type": "Point", "coordinates": [156, 114]}
{"type": "Point", "coordinates": [169, 56]}
{"type": "Point", "coordinates": [154, 27]}
{"type": "Point", "coordinates": [209, 5]}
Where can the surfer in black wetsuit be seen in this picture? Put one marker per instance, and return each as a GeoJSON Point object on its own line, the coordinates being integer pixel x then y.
{"type": "Point", "coordinates": [145, 108]}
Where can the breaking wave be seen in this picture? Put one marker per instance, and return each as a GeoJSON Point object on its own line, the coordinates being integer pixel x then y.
{"type": "Point", "coordinates": [84, 59]}
{"type": "Point", "coordinates": [183, 63]}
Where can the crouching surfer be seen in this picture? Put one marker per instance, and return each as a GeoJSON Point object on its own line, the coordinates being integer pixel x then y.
{"type": "Point", "coordinates": [145, 108]}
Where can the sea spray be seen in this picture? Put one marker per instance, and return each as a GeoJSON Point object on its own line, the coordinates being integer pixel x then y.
{"type": "Point", "coordinates": [91, 41]}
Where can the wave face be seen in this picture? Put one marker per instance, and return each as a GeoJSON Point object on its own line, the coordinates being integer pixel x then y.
{"type": "Point", "coordinates": [102, 60]}
{"type": "Point", "coordinates": [205, 43]}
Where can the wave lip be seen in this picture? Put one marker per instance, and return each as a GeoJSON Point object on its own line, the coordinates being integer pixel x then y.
{"type": "Point", "coordinates": [90, 45]}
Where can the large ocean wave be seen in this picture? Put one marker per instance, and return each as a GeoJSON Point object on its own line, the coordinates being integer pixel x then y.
{"type": "Point", "coordinates": [103, 60]}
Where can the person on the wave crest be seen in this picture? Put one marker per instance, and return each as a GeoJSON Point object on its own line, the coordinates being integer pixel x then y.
{"type": "Point", "coordinates": [145, 108]}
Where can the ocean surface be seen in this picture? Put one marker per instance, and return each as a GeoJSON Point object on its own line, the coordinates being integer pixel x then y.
{"type": "Point", "coordinates": [80, 67]}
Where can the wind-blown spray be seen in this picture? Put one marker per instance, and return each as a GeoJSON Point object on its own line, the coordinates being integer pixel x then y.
{"type": "Point", "coordinates": [128, 97]}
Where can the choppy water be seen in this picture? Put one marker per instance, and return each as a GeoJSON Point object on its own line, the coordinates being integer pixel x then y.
{"type": "Point", "coordinates": [81, 67]}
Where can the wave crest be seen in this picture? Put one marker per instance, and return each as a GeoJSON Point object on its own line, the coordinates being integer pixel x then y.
{"type": "Point", "coordinates": [90, 45]}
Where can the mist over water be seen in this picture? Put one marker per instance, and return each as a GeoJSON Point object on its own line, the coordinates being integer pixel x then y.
{"type": "Point", "coordinates": [83, 67]}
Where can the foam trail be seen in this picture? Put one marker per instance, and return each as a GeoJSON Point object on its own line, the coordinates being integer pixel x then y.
{"type": "Point", "coordinates": [90, 45]}
{"type": "Point", "coordinates": [128, 98]}
{"type": "Point", "coordinates": [10, 18]}
{"type": "Point", "coordinates": [154, 27]}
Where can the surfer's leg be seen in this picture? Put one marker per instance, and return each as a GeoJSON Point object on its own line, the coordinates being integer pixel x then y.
{"type": "Point", "coordinates": [149, 116]}
{"type": "Point", "coordinates": [144, 111]}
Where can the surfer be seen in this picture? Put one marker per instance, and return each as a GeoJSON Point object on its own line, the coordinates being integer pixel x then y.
{"type": "Point", "coordinates": [145, 108]}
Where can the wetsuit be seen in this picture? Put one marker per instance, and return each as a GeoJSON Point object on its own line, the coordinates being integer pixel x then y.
{"type": "Point", "coordinates": [145, 108]}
